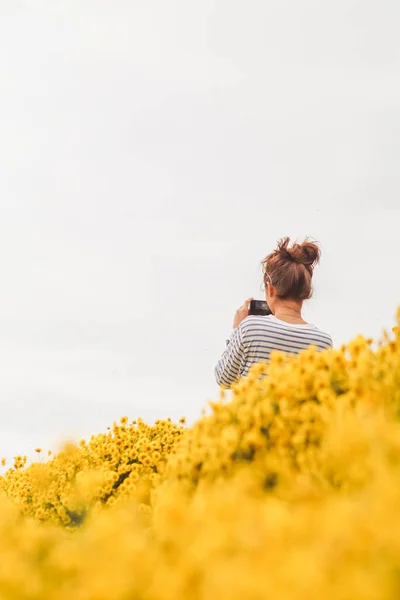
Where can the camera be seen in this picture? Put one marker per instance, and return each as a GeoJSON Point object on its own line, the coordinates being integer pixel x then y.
{"type": "Point", "coordinates": [259, 307]}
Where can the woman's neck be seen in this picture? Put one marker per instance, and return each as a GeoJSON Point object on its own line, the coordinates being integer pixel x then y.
{"type": "Point", "coordinates": [291, 313]}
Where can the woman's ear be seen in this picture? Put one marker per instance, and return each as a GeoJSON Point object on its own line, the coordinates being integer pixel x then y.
{"type": "Point", "coordinates": [270, 290]}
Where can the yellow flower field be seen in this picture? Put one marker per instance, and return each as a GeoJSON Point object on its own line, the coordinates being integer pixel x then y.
{"type": "Point", "coordinates": [291, 491]}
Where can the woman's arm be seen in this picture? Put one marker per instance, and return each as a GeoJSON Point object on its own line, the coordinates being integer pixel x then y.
{"type": "Point", "coordinates": [232, 362]}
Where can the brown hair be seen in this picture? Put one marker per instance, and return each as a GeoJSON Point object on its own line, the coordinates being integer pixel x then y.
{"type": "Point", "coordinates": [290, 270]}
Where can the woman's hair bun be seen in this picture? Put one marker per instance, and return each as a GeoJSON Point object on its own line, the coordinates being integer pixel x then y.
{"type": "Point", "coordinates": [308, 253]}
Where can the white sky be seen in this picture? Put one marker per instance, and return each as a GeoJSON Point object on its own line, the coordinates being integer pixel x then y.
{"type": "Point", "coordinates": [152, 153]}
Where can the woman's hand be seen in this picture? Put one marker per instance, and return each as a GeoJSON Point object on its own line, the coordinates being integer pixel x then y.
{"type": "Point", "coordinates": [241, 313]}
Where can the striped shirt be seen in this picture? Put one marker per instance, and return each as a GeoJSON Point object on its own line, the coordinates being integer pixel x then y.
{"type": "Point", "coordinates": [255, 339]}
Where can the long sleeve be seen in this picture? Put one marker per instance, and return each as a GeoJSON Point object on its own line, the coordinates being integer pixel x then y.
{"type": "Point", "coordinates": [232, 362]}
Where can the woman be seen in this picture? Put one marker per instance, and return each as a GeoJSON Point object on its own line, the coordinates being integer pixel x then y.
{"type": "Point", "coordinates": [287, 274]}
